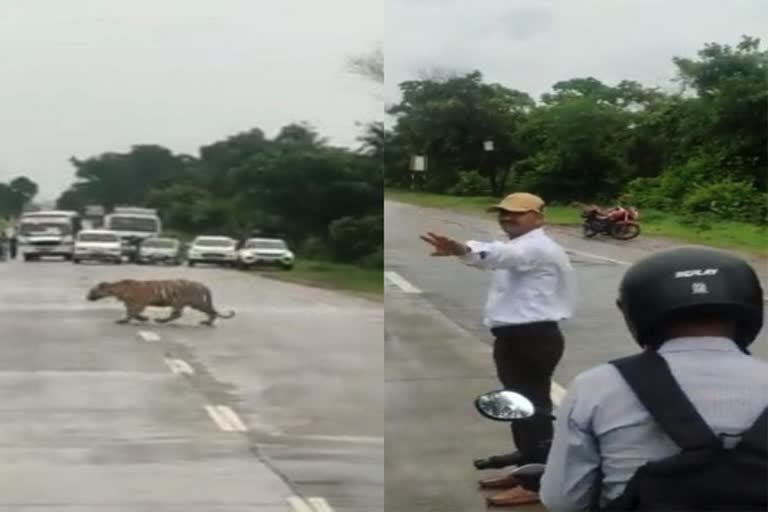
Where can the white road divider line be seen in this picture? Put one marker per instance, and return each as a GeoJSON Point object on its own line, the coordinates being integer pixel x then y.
{"type": "Point", "coordinates": [179, 367]}
{"type": "Point", "coordinates": [299, 505]}
{"type": "Point", "coordinates": [342, 439]}
{"type": "Point", "coordinates": [149, 336]}
{"type": "Point", "coordinates": [221, 422]}
{"type": "Point", "coordinates": [233, 418]}
{"type": "Point", "coordinates": [311, 505]}
{"type": "Point", "coordinates": [400, 282]}
{"type": "Point", "coordinates": [596, 256]}
{"type": "Point", "coordinates": [225, 418]}
{"type": "Point", "coordinates": [320, 504]}
{"type": "Point", "coordinates": [557, 392]}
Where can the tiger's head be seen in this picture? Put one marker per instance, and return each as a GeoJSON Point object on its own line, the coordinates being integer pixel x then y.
{"type": "Point", "coordinates": [100, 291]}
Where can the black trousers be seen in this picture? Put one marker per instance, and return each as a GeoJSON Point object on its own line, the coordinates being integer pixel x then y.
{"type": "Point", "coordinates": [526, 356]}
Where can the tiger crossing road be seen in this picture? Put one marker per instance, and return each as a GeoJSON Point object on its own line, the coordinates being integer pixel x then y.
{"type": "Point", "coordinates": [275, 410]}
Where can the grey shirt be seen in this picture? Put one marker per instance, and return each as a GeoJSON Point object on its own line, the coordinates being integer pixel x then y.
{"type": "Point", "coordinates": [601, 424]}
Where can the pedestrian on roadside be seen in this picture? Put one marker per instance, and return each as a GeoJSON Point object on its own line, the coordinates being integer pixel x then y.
{"type": "Point", "coordinates": [12, 242]}
{"type": "Point", "coordinates": [531, 292]}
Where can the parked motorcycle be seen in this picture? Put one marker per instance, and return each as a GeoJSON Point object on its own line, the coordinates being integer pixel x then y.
{"type": "Point", "coordinates": [619, 223]}
{"type": "Point", "coordinates": [507, 406]}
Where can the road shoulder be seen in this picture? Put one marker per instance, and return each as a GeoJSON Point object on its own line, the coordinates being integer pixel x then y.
{"type": "Point", "coordinates": [435, 369]}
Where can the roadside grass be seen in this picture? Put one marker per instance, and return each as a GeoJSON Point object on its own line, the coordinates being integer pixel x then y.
{"type": "Point", "coordinates": [751, 238]}
{"type": "Point", "coordinates": [337, 276]}
{"type": "Point", "coordinates": [320, 273]}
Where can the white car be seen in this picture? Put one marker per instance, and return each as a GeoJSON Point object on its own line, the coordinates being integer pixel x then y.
{"type": "Point", "coordinates": [221, 250]}
{"type": "Point", "coordinates": [266, 251]}
{"type": "Point", "coordinates": [98, 245]}
{"type": "Point", "coordinates": [160, 250]}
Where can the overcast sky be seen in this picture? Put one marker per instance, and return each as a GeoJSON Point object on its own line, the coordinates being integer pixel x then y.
{"type": "Point", "coordinates": [531, 44]}
{"type": "Point", "coordinates": [80, 77]}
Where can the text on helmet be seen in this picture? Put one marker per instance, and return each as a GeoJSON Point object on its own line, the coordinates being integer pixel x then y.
{"type": "Point", "coordinates": [696, 272]}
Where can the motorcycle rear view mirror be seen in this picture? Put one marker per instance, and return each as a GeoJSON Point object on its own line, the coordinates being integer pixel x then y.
{"type": "Point", "coordinates": [504, 405]}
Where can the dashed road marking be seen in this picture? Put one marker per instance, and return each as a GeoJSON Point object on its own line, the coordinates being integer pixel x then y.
{"type": "Point", "coordinates": [557, 392]}
{"type": "Point", "coordinates": [149, 336]}
{"type": "Point", "coordinates": [179, 367]}
{"type": "Point", "coordinates": [618, 262]}
{"type": "Point", "coordinates": [314, 504]}
{"type": "Point", "coordinates": [341, 439]}
{"type": "Point", "coordinates": [400, 282]}
{"type": "Point", "coordinates": [225, 418]}
{"type": "Point", "coordinates": [596, 256]}
{"type": "Point", "coordinates": [299, 505]}
{"type": "Point", "coordinates": [233, 419]}
{"type": "Point", "coordinates": [320, 504]}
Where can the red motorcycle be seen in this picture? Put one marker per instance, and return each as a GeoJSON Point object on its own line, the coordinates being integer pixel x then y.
{"type": "Point", "coordinates": [619, 223]}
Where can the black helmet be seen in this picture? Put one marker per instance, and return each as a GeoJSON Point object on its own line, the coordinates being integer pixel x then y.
{"type": "Point", "coordinates": [690, 280]}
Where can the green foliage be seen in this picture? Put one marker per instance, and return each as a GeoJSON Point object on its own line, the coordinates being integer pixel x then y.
{"type": "Point", "coordinates": [294, 185]}
{"type": "Point", "coordinates": [593, 141]}
{"type": "Point", "coordinates": [470, 183]}
{"type": "Point", "coordinates": [351, 238]}
{"type": "Point", "coordinates": [734, 200]}
{"type": "Point", "coordinates": [15, 195]}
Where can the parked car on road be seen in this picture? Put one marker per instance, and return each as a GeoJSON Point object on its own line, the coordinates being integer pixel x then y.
{"type": "Point", "coordinates": [220, 250]}
{"type": "Point", "coordinates": [98, 245]}
{"type": "Point", "coordinates": [266, 251]}
{"type": "Point", "coordinates": [160, 250]}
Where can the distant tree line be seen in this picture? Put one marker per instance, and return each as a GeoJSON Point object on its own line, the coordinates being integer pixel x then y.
{"type": "Point", "coordinates": [16, 195]}
{"type": "Point", "coordinates": [327, 201]}
{"type": "Point", "coordinates": [698, 150]}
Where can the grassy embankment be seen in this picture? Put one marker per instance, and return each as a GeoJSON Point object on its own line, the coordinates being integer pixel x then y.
{"type": "Point", "coordinates": [742, 236]}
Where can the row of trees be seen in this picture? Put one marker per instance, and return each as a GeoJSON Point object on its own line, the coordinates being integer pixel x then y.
{"type": "Point", "coordinates": [326, 200]}
{"type": "Point", "coordinates": [699, 149]}
{"type": "Point", "coordinates": [15, 195]}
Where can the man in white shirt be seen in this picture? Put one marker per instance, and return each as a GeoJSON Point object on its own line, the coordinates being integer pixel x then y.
{"type": "Point", "coordinates": [531, 291]}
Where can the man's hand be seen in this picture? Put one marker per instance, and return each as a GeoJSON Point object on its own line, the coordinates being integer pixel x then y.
{"type": "Point", "coordinates": [445, 246]}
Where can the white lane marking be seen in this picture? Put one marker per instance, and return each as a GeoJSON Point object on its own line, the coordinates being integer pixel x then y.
{"type": "Point", "coordinates": [557, 393]}
{"type": "Point", "coordinates": [221, 421]}
{"type": "Point", "coordinates": [233, 418]}
{"type": "Point", "coordinates": [596, 256]}
{"type": "Point", "coordinates": [314, 504]}
{"type": "Point", "coordinates": [179, 367]}
{"type": "Point", "coordinates": [299, 505]}
{"type": "Point", "coordinates": [400, 282]}
{"type": "Point", "coordinates": [320, 504]}
{"type": "Point", "coordinates": [149, 336]}
{"type": "Point", "coordinates": [619, 262]}
{"type": "Point", "coordinates": [342, 439]}
{"type": "Point", "coordinates": [217, 419]}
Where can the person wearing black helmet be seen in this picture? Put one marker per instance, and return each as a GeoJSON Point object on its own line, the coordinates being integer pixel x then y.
{"type": "Point", "coordinates": [684, 424]}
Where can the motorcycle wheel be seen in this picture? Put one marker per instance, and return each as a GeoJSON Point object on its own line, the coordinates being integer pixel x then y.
{"type": "Point", "coordinates": [588, 230]}
{"type": "Point", "coordinates": [625, 230]}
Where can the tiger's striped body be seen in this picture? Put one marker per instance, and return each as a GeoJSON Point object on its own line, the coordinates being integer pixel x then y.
{"type": "Point", "coordinates": [176, 294]}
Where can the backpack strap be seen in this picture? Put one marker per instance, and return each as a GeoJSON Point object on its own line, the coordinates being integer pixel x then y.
{"type": "Point", "coordinates": [650, 378]}
{"type": "Point", "coordinates": [756, 438]}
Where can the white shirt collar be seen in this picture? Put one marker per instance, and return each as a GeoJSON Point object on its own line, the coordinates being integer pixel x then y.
{"type": "Point", "coordinates": [696, 343]}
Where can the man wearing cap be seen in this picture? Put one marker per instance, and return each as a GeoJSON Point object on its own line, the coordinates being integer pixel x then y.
{"type": "Point", "coordinates": [531, 291]}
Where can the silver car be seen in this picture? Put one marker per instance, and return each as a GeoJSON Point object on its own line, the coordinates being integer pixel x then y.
{"type": "Point", "coordinates": [266, 251]}
{"type": "Point", "coordinates": [220, 250]}
{"type": "Point", "coordinates": [160, 250]}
